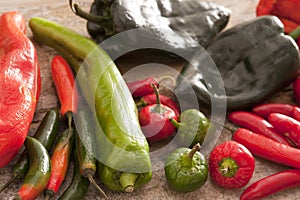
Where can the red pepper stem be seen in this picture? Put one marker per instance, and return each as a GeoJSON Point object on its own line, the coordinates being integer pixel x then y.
{"type": "Point", "coordinates": [90, 177]}
{"type": "Point", "coordinates": [194, 150]}
{"type": "Point", "coordinates": [158, 103]}
{"type": "Point", "coordinates": [295, 34]}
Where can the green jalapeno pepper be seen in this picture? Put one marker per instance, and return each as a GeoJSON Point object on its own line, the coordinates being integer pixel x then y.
{"type": "Point", "coordinates": [127, 152]}
{"type": "Point", "coordinates": [195, 19]}
{"type": "Point", "coordinates": [46, 134]}
{"type": "Point", "coordinates": [255, 60]}
{"type": "Point", "coordinates": [192, 127]}
{"type": "Point", "coordinates": [38, 175]}
{"type": "Point", "coordinates": [186, 169]}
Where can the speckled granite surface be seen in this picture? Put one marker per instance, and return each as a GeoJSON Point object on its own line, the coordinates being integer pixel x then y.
{"type": "Point", "coordinates": [158, 188]}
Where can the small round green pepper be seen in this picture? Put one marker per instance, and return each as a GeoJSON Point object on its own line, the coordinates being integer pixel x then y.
{"type": "Point", "coordinates": [186, 169]}
{"type": "Point", "coordinates": [192, 127]}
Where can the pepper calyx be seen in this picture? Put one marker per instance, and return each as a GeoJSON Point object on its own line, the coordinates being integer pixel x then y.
{"type": "Point", "coordinates": [228, 167]}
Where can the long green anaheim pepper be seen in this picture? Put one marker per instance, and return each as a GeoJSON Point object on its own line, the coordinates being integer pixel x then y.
{"type": "Point", "coordinates": [125, 165]}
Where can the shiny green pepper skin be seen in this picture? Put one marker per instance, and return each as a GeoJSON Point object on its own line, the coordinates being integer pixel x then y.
{"type": "Point", "coordinates": [193, 127]}
{"type": "Point", "coordinates": [186, 169]}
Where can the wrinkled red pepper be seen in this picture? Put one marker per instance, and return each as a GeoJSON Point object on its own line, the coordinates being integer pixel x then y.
{"type": "Point", "coordinates": [286, 10]}
{"type": "Point", "coordinates": [20, 84]}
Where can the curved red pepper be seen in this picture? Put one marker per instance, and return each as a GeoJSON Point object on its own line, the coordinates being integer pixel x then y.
{"type": "Point", "coordinates": [20, 84]}
{"type": "Point", "coordinates": [264, 110]}
{"type": "Point", "coordinates": [64, 82]}
{"type": "Point", "coordinates": [272, 184]}
{"type": "Point", "coordinates": [231, 165]}
{"type": "Point", "coordinates": [267, 148]}
{"type": "Point", "coordinates": [257, 124]}
{"type": "Point", "coordinates": [287, 126]}
{"type": "Point", "coordinates": [142, 87]}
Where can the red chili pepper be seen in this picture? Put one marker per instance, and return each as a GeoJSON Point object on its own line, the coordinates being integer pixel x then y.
{"type": "Point", "coordinates": [257, 124]}
{"type": "Point", "coordinates": [287, 126]}
{"type": "Point", "coordinates": [151, 99]}
{"type": "Point", "coordinates": [231, 165]}
{"type": "Point", "coordinates": [264, 110]}
{"type": "Point", "coordinates": [296, 88]}
{"type": "Point", "coordinates": [272, 184]}
{"type": "Point", "coordinates": [143, 87]}
{"type": "Point", "coordinates": [155, 120]}
{"type": "Point", "coordinates": [60, 162]}
{"type": "Point", "coordinates": [20, 84]}
{"type": "Point", "coordinates": [267, 148]}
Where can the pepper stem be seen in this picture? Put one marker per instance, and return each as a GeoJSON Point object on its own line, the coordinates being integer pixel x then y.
{"type": "Point", "coordinates": [194, 150]}
{"type": "Point", "coordinates": [127, 181]}
{"type": "Point", "coordinates": [158, 103]}
{"type": "Point", "coordinates": [175, 123]}
{"type": "Point", "coordinates": [90, 177]}
{"type": "Point", "coordinates": [295, 34]}
{"type": "Point", "coordinates": [104, 21]}
{"type": "Point", "coordinates": [228, 167]}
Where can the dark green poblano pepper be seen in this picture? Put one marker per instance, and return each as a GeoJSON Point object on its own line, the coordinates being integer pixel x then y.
{"type": "Point", "coordinates": [192, 127]}
{"type": "Point", "coordinates": [255, 60]}
{"type": "Point", "coordinates": [186, 169]}
{"type": "Point", "coordinates": [197, 20]}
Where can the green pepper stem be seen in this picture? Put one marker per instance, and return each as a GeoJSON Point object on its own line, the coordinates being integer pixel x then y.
{"type": "Point", "coordinates": [127, 181]}
{"type": "Point", "coordinates": [175, 123]}
{"type": "Point", "coordinates": [90, 177]}
{"type": "Point", "coordinates": [158, 103]}
{"type": "Point", "coordinates": [140, 103]}
{"type": "Point", "coordinates": [295, 34]}
{"type": "Point", "coordinates": [104, 21]}
{"type": "Point", "coordinates": [194, 150]}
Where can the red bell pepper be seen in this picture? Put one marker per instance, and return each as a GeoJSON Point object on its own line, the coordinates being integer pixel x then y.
{"type": "Point", "coordinates": [142, 87]}
{"type": "Point", "coordinates": [231, 165]}
{"type": "Point", "coordinates": [20, 84]}
{"type": "Point", "coordinates": [286, 10]}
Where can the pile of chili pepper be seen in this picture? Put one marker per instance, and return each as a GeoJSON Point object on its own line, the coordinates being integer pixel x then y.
{"type": "Point", "coordinates": [270, 131]}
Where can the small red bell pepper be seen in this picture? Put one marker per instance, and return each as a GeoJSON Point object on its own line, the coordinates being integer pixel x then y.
{"type": "Point", "coordinates": [20, 84]}
{"type": "Point", "coordinates": [272, 184]}
{"type": "Point", "coordinates": [142, 87]}
{"type": "Point", "coordinates": [231, 165]}
{"type": "Point", "coordinates": [267, 148]}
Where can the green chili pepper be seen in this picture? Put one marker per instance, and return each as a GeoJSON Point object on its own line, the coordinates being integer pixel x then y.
{"type": "Point", "coordinates": [86, 160]}
{"type": "Point", "coordinates": [186, 169]}
{"type": "Point", "coordinates": [255, 60]}
{"type": "Point", "coordinates": [192, 127]}
{"type": "Point", "coordinates": [38, 175]}
{"type": "Point", "coordinates": [107, 94]}
{"type": "Point", "coordinates": [46, 134]}
{"type": "Point", "coordinates": [79, 185]}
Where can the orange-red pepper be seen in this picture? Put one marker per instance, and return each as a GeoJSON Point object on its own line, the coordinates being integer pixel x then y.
{"type": "Point", "coordinates": [286, 10]}
{"type": "Point", "coordinates": [20, 84]}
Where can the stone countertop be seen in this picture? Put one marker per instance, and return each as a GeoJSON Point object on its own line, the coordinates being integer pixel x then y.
{"type": "Point", "coordinates": [58, 10]}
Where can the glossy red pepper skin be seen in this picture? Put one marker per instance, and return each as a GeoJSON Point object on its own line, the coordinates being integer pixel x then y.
{"type": "Point", "coordinates": [267, 148]}
{"type": "Point", "coordinates": [287, 126]}
{"type": "Point", "coordinates": [142, 87]}
{"type": "Point", "coordinates": [286, 10]}
{"type": "Point", "coordinates": [272, 184]}
{"type": "Point", "coordinates": [296, 88]}
{"type": "Point", "coordinates": [244, 164]}
{"type": "Point", "coordinates": [151, 99]}
{"type": "Point", "coordinates": [264, 110]}
{"type": "Point", "coordinates": [257, 124]}
{"type": "Point", "coordinates": [64, 82]}
{"type": "Point", "coordinates": [20, 86]}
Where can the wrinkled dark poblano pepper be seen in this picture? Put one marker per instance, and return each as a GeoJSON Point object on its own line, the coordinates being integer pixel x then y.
{"type": "Point", "coordinates": [198, 20]}
{"type": "Point", "coordinates": [255, 60]}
